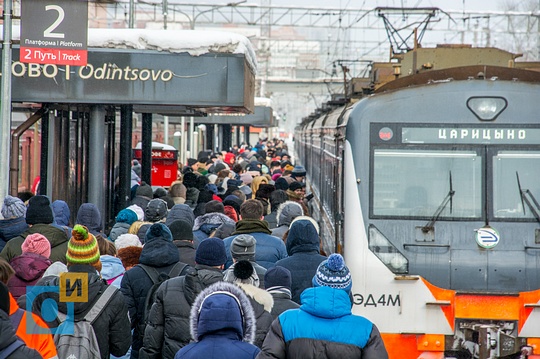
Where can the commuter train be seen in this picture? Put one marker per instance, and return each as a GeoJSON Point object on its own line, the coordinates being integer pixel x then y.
{"type": "Point", "coordinates": [430, 187]}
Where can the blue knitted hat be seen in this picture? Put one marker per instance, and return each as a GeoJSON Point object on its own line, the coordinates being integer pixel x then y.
{"type": "Point", "coordinates": [333, 273]}
{"type": "Point", "coordinates": [211, 252]}
{"type": "Point", "coordinates": [158, 231]}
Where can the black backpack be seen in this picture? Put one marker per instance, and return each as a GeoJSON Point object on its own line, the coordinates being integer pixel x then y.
{"type": "Point", "coordinates": [178, 270]}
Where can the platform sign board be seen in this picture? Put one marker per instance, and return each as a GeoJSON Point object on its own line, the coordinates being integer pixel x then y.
{"type": "Point", "coordinates": [54, 32]}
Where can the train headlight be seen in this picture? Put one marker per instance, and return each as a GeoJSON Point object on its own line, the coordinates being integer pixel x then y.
{"type": "Point", "coordinates": [487, 108]}
{"type": "Point", "coordinates": [387, 252]}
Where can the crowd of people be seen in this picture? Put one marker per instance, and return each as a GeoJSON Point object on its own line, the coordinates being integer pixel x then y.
{"type": "Point", "coordinates": [225, 263]}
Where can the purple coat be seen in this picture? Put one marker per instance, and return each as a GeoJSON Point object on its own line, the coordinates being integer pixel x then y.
{"type": "Point", "coordinates": [29, 268]}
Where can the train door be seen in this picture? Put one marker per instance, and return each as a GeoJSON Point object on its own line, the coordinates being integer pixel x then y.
{"type": "Point", "coordinates": [69, 175]}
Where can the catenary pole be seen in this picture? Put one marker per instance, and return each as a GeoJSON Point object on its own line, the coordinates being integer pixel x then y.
{"type": "Point", "coordinates": [5, 102]}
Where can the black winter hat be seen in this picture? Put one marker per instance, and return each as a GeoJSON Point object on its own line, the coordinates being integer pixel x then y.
{"type": "Point", "coordinates": [281, 183]}
{"type": "Point", "coordinates": [296, 185]}
{"type": "Point", "coordinates": [277, 276]}
{"type": "Point", "coordinates": [181, 230]}
{"type": "Point", "coordinates": [158, 231]}
{"type": "Point", "coordinates": [205, 196]}
{"type": "Point", "coordinates": [155, 210]}
{"type": "Point", "coordinates": [39, 210]}
{"type": "Point", "coordinates": [160, 192]}
{"type": "Point", "coordinates": [265, 190]}
{"type": "Point", "coordinates": [219, 166]}
{"type": "Point", "coordinates": [214, 206]}
{"type": "Point", "coordinates": [211, 252]}
{"type": "Point", "coordinates": [144, 190]}
{"type": "Point", "coordinates": [190, 180]}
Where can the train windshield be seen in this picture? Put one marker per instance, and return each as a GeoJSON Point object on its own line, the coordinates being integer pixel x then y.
{"type": "Point", "coordinates": [415, 183]}
{"type": "Point", "coordinates": [516, 188]}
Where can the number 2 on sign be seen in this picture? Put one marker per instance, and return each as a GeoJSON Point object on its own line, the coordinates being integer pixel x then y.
{"type": "Point", "coordinates": [28, 54]}
{"type": "Point", "coordinates": [61, 14]}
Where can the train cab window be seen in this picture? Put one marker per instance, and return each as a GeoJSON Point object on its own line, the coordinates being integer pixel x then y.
{"type": "Point", "coordinates": [516, 187]}
{"type": "Point", "coordinates": [415, 183]}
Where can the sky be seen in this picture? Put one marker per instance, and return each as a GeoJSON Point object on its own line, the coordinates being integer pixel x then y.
{"type": "Point", "coordinates": [472, 5]}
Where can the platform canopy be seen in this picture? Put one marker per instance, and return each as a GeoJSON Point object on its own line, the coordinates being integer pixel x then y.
{"type": "Point", "coordinates": [262, 116]}
{"type": "Point", "coordinates": [168, 71]}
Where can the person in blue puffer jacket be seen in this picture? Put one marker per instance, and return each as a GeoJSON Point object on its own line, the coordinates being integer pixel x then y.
{"type": "Point", "coordinates": [324, 326]}
{"type": "Point", "coordinates": [222, 325]}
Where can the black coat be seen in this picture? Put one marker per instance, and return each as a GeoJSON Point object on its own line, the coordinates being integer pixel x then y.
{"type": "Point", "coordinates": [160, 254]}
{"type": "Point", "coordinates": [112, 326]}
{"type": "Point", "coordinates": [186, 251]}
{"type": "Point", "coordinates": [282, 302]}
{"type": "Point", "coordinates": [168, 322]}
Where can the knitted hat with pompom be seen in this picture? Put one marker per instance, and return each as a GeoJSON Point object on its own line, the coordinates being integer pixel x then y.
{"type": "Point", "coordinates": [333, 273]}
{"type": "Point", "coordinates": [83, 248]}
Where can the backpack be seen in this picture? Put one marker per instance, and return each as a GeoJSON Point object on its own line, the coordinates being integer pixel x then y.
{"type": "Point", "coordinates": [7, 351]}
{"type": "Point", "coordinates": [81, 342]}
{"type": "Point", "coordinates": [15, 319]}
{"type": "Point", "coordinates": [157, 278]}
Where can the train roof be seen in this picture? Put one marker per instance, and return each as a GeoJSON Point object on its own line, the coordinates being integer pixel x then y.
{"type": "Point", "coordinates": [478, 72]}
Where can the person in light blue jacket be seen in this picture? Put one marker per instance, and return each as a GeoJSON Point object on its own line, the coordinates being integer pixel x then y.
{"type": "Point", "coordinates": [324, 326]}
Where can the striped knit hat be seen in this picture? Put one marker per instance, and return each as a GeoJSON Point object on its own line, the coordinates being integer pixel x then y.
{"type": "Point", "coordinates": [333, 273]}
{"type": "Point", "coordinates": [83, 248]}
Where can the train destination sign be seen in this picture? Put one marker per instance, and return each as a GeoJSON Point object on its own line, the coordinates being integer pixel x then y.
{"type": "Point", "coordinates": [54, 32]}
{"type": "Point", "coordinates": [470, 135]}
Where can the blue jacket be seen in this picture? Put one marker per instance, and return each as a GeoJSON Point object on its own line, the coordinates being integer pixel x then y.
{"type": "Point", "coordinates": [304, 258]}
{"type": "Point", "coordinates": [11, 228]}
{"type": "Point", "coordinates": [268, 250]}
{"type": "Point", "coordinates": [323, 327]}
{"type": "Point", "coordinates": [88, 215]}
{"type": "Point", "coordinates": [62, 216]}
{"type": "Point", "coordinates": [112, 270]}
{"type": "Point", "coordinates": [221, 330]}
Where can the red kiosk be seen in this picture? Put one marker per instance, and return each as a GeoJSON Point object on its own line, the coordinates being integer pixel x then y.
{"type": "Point", "coordinates": [164, 163]}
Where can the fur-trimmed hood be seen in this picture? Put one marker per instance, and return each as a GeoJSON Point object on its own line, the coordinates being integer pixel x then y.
{"type": "Point", "coordinates": [259, 295]}
{"type": "Point", "coordinates": [214, 218]}
{"type": "Point", "coordinates": [222, 306]}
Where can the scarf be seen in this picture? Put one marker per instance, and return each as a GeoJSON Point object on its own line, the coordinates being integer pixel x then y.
{"type": "Point", "coordinates": [247, 226]}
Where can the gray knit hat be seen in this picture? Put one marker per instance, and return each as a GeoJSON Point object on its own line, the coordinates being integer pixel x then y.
{"type": "Point", "coordinates": [243, 246]}
{"type": "Point", "coordinates": [13, 207]}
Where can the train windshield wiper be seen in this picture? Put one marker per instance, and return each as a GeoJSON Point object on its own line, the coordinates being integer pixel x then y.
{"type": "Point", "coordinates": [448, 199]}
{"type": "Point", "coordinates": [524, 200]}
